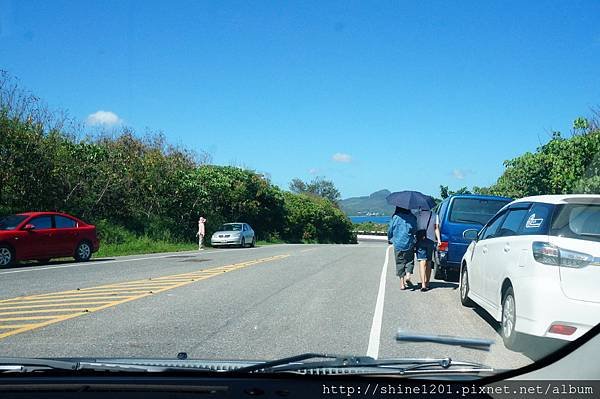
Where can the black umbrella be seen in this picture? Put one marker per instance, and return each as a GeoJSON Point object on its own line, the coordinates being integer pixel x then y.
{"type": "Point", "coordinates": [411, 200]}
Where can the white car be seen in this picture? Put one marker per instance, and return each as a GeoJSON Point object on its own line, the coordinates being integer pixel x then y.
{"type": "Point", "coordinates": [535, 267]}
{"type": "Point", "coordinates": [239, 234]}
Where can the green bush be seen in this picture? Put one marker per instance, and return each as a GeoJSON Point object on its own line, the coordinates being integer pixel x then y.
{"type": "Point", "coordinates": [110, 233]}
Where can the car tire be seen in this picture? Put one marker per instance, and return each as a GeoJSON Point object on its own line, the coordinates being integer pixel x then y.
{"type": "Point", "coordinates": [464, 288]}
{"type": "Point", "coordinates": [510, 337]}
{"type": "Point", "coordinates": [243, 243]}
{"type": "Point", "coordinates": [7, 256]}
{"type": "Point", "coordinates": [253, 242]}
{"type": "Point", "coordinates": [83, 252]}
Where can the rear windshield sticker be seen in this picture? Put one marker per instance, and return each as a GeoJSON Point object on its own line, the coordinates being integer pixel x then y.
{"type": "Point", "coordinates": [533, 223]}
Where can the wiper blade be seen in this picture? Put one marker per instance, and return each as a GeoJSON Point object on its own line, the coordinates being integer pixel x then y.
{"type": "Point", "coordinates": [133, 367]}
{"type": "Point", "coordinates": [473, 343]}
{"type": "Point", "coordinates": [19, 364]}
{"type": "Point", "coordinates": [364, 365]}
{"type": "Point", "coordinates": [26, 365]}
{"type": "Point", "coordinates": [470, 221]}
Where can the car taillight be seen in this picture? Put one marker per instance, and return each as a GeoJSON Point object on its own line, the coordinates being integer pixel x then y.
{"type": "Point", "coordinates": [562, 329]}
{"type": "Point", "coordinates": [550, 254]}
{"type": "Point", "coordinates": [443, 246]}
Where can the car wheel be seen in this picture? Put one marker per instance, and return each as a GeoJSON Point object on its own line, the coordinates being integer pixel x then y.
{"type": "Point", "coordinates": [7, 256]}
{"type": "Point", "coordinates": [253, 242]}
{"type": "Point", "coordinates": [464, 288]}
{"type": "Point", "coordinates": [509, 317]}
{"type": "Point", "coordinates": [243, 243]}
{"type": "Point", "coordinates": [83, 252]}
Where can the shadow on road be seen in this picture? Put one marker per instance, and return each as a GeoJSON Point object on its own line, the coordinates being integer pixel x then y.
{"type": "Point", "coordinates": [442, 284]}
{"type": "Point", "coordinates": [533, 347]}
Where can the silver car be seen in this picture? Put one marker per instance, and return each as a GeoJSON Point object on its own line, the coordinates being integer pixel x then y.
{"type": "Point", "coordinates": [234, 234]}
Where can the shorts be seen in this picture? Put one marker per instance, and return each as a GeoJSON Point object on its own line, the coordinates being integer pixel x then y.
{"type": "Point", "coordinates": [425, 249]}
{"type": "Point", "coordinates": [405, 262]}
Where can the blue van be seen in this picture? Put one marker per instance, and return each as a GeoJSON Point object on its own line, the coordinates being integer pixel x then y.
{"type": "Point", "coordinates": [459, 213]}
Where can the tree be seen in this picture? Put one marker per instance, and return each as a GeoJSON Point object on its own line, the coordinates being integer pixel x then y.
{"type": "Point", "coordinates": [445, 192]}
{"type": "Point", "coordinates": [318, 187]}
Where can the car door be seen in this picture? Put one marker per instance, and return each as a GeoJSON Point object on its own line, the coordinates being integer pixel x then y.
{"type": "Point", "coordinates": [504, 252]}
{"type": "Point", "coordinates": [39, 240]}
{"type": "Point", "coordinates": [250, 234]}
{"type": "Point", "coordinates": [478, 264]}
{"type": "Point", "coordinates": [65, 235]}
{"type": "Point", "coordinates": [247, 233]}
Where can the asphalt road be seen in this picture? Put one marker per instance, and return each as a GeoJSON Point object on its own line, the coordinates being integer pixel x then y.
{"type": "Point", "coordinates": [255, 303]}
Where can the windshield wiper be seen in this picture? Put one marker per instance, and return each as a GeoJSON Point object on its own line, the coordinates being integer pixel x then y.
{"type": "Point", "coordinates": [473, 343]}
{"type": "Point", "coordinates": [363, 365]}
{"type": "Point", "coordinates": [27, 365]}
{"type": "Point", "coordinates": [470, 221]}
{"type": "Point", "coordinates": [18, 364]}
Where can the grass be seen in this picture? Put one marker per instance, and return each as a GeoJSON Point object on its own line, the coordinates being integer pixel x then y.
{"type": "Point", "coordinates": [145, 245]}
{"type": "Point", "coordinates": [142, 245]}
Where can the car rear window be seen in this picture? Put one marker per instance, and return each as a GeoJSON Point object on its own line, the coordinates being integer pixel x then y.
{"type": "Point", "coordinates": [64, 222]}
{"type": "Point", "coordinates": [581, 221]}
{"type": "Point", "coordinates": [474, 210]}
{"type": "Point", "coordinates": [11, 222]}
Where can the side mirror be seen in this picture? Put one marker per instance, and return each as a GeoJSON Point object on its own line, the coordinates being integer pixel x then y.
{"type": "Point", "coordinates": [470, 234]}
{"type": "Point", "coordinates": [29, 227]}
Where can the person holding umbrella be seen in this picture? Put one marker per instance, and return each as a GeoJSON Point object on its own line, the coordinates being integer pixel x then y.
{"type": "Point", "coordinates": [401, 234]}
{"type": "Point", "coordinates": [428, 233]}
{"type": "Point", "coordinates": [402, 229]}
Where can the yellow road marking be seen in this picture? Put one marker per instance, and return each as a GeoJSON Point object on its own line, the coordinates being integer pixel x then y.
{"type": "Point", "coordinates": [68, 299]}
{"type": "Point", "coordinates": [5, 326]}
{"type": "Point", "coordinates": [45, 311]}
{"type": "Point", "coordinates": [94, 299]}
{"type": "Point", "coordinates": [52, 305]}
{"type": "Point", "coordinates": [28, 318]}
{"type": "Point", "coordinates": [83, 295]}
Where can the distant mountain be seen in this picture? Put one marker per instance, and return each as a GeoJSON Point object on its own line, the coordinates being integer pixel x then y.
{"type": "Point", "coordinates": [373, 204]}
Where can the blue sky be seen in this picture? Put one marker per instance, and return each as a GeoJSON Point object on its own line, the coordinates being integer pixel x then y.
{"type": "Point", "coordinates": [372, 95]}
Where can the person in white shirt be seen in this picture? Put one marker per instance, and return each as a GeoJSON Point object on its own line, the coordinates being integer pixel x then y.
{"type": "Point", "coordinates": [428, 233]}
{"type": "Point", "coordinates": [201, 232]}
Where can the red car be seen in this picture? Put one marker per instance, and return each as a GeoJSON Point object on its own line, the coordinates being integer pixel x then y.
{"type": "Point", "coordinates": [45, 235]}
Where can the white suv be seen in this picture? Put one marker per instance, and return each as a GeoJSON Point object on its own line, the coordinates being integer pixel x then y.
{"type": "Point", "coordinates": [535, 267]}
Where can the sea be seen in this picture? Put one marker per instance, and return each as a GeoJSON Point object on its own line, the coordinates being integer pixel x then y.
{"type": "Point", "coordinates": [373, 219]}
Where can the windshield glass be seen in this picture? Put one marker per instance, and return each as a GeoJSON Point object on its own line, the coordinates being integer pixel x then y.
{"type": "Point", "coordinates": [230, 227]}
{"type": "Point", "coordinates": [328, 130]}
{"type": "Point", "coordinates": [473, 210]}
{"type": "Point", "coordinates": [11, 222]}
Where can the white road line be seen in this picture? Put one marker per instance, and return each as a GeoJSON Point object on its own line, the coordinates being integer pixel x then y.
{"type": "Point", "coordinates": [374, 337]}
{"type": "Point", "coordinates": [99, 262]}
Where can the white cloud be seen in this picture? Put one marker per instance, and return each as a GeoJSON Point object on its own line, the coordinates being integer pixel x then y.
{"type": "Point", "coordinates": [341, 157]}
{"type": "Point", "coordinates": [460, 174]}
{"type": "Point", "coordinates": [105, 118]}
{"type": "Point", "coordinates": [313, 171]}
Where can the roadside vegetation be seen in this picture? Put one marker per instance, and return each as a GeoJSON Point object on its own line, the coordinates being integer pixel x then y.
{"type": "Point", "coordinates": [566, 164]}
{"type": "Point", "coordinates": [144, 194]}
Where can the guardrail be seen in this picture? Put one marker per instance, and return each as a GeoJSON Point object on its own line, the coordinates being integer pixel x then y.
{"type": "Point", "coordinates": [370, 233]}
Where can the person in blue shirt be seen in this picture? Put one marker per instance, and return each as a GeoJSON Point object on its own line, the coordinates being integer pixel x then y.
{"type": "Point", "coordinates": [401, 234]}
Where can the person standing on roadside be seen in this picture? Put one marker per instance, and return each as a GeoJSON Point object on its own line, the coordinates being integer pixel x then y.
{"type": "Point", "coordinates": [428, 233]}
{"type": "Point", "coordinates": [201, 232]}
{"type": "Point", "coordinates": [401, 234]}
